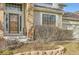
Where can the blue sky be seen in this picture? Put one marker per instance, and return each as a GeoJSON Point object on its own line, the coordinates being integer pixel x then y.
{"type": "Point", "coordinates": [72, 7]}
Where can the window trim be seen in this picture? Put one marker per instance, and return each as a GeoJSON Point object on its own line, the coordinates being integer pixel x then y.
{"type": "Point", "coordinates": [41, 21]}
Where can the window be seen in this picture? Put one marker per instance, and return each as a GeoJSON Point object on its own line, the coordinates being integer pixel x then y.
{"type": "Point", "coordinates": [14, 6]}
{"type": "Point", "coordinates": [68, 26]}
{"type": "Point", "coordinates": [48, 19]}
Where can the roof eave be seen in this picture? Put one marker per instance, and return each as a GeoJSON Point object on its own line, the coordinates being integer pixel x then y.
{"type": "Point", "coordinates": [48, 10]}
{"type": "Point", "coordinates": [70, 18]}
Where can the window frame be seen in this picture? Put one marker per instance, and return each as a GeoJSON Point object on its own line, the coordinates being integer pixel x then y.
{"type": "Point", "coordinates": [48, 14]}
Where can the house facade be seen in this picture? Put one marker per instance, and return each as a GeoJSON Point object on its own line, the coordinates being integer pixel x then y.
{"type": "Point", "coordinates": [71, 22]}
{"type": "Point", "coordinates": [17, 20]}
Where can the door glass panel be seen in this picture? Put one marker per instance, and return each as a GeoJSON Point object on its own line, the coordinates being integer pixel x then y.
{"type": "Point", "coordinates": [7, 22]}
{"type": "Point", "coordinates": [13, 23]}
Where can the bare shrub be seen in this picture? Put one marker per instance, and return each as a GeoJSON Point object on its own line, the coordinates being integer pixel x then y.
{"type": "Point", "coordinates": [13, 44]}
{"type": "Point", "coordinates": [2, 43]}
{"type": "Point", "coordinates": [51, 33]}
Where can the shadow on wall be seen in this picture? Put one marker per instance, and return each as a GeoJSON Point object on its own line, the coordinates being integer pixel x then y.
{"type": "Point", "coordinates": [1, 26]}
{"type": "Point", "coordinates": [2, 40]}
{"type": "Point", "coordinates": [1, 29]}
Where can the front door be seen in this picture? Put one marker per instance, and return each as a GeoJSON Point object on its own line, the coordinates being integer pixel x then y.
{"type": "Point", "coordinates": [14, 23]}
{"type": "Point", "coordinates": [14, 19]}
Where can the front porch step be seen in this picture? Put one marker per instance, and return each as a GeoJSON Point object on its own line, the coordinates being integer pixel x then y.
{"type": "Point", "coordinates": [18, 38]}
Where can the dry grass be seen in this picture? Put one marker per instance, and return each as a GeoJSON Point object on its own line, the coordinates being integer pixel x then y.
{"type": "Point", "coordinates": [35, 46]}
{"type": "Point", "coordinates": [71, 48]}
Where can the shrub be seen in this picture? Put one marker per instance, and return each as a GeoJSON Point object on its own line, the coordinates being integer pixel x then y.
{"type": "Point", "coordinates": [13, 44]}
{"type": "Point", "coordinates": [51, 33]}
{"type": "Point", "coordinates": [2, 43]}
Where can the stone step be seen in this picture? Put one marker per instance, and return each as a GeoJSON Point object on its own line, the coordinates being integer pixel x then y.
{"type": "Point", "coordinates": [19, 38]}
{"type": "Point", "coordinates": [15, 37]}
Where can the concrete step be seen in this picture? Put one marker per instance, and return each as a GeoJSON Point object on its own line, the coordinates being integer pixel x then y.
{"type": "Point", "coordinates": [15, 37]}
{"type": "Point", "coordinates": [19, 38]}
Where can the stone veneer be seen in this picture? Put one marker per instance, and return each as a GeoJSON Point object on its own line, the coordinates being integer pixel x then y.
{"type": "Point", "coordinates": [59, 51]}
{"type": "Point", "coordinates": [29, 20]}
{"type": "Point", "coordinates": [28, 27]}
{"type": "Point", "coordinates": [1, 18]}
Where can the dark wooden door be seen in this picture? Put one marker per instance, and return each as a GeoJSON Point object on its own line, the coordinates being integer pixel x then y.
{"type": "Point", "coordinates": [13, 23]}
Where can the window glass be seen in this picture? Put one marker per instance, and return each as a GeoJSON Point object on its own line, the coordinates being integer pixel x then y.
{"type": "Point", "coordinates": [68, 26]}
{"type": "Point", "coordinates": [6, 23]}
{"type": "Point", "coordinates": [14, 6]}
{"type": "Point", "coordinates": [48, 19]}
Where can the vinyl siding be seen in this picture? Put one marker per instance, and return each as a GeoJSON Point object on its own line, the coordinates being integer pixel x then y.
{"type": "Point", "coordinates": [37, 18]}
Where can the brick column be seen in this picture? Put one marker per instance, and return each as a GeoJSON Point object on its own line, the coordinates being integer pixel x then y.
{"type": "Point", "coordinates": [1, 18]}
{"type": "Point", "coordinates": [29, 20]}
{"type": "Point", "coordinates": [2, 40]}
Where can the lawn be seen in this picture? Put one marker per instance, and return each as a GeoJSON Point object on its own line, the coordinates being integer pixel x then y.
{"type": "Point", "coordinates": [71, 48]}
{"type": "Point", "coordinates": [35, 47]}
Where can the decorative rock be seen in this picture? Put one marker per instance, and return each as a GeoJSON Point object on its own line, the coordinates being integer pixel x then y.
{"type": "Point", "coordinates": [40, 52]}
{"type": "Point", "coordinates": [49, 52]}
{"type": "Point", "coordinates": [54, 52]}
{"type": "Point", "coordinates": [28, 53]}
{"type": "Point", "coordinates": [59, 51]}
{"type": "Point", "coordinates": [18, 54]}
{"type": "Point", "coordinates": [34, 53]}
{"type": "Point", "coordinates": [43, 52]}
{"type": "Point", "coordinates": [23, 53]}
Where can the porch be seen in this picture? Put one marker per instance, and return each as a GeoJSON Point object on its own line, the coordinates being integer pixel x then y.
{"type": "Point", "coordinates": [15, 21]}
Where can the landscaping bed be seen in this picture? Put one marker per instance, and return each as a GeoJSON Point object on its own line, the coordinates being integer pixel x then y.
{"type": "Point", "coordinates": [29, 47]}
{"type": "Point", "coordinates": [36, 47]}
{"type": "Point", "coordinates": [71, 47]}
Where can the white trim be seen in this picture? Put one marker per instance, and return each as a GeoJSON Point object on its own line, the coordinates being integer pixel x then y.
{"type": "Point", "coordinates": [4, 22]}
{"type": "Point", "coordinates": [44, 4]}
{"type": "Point", "coordinates": [41, 18]}
{"type": "Point", "coordinates": [23, 7]}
